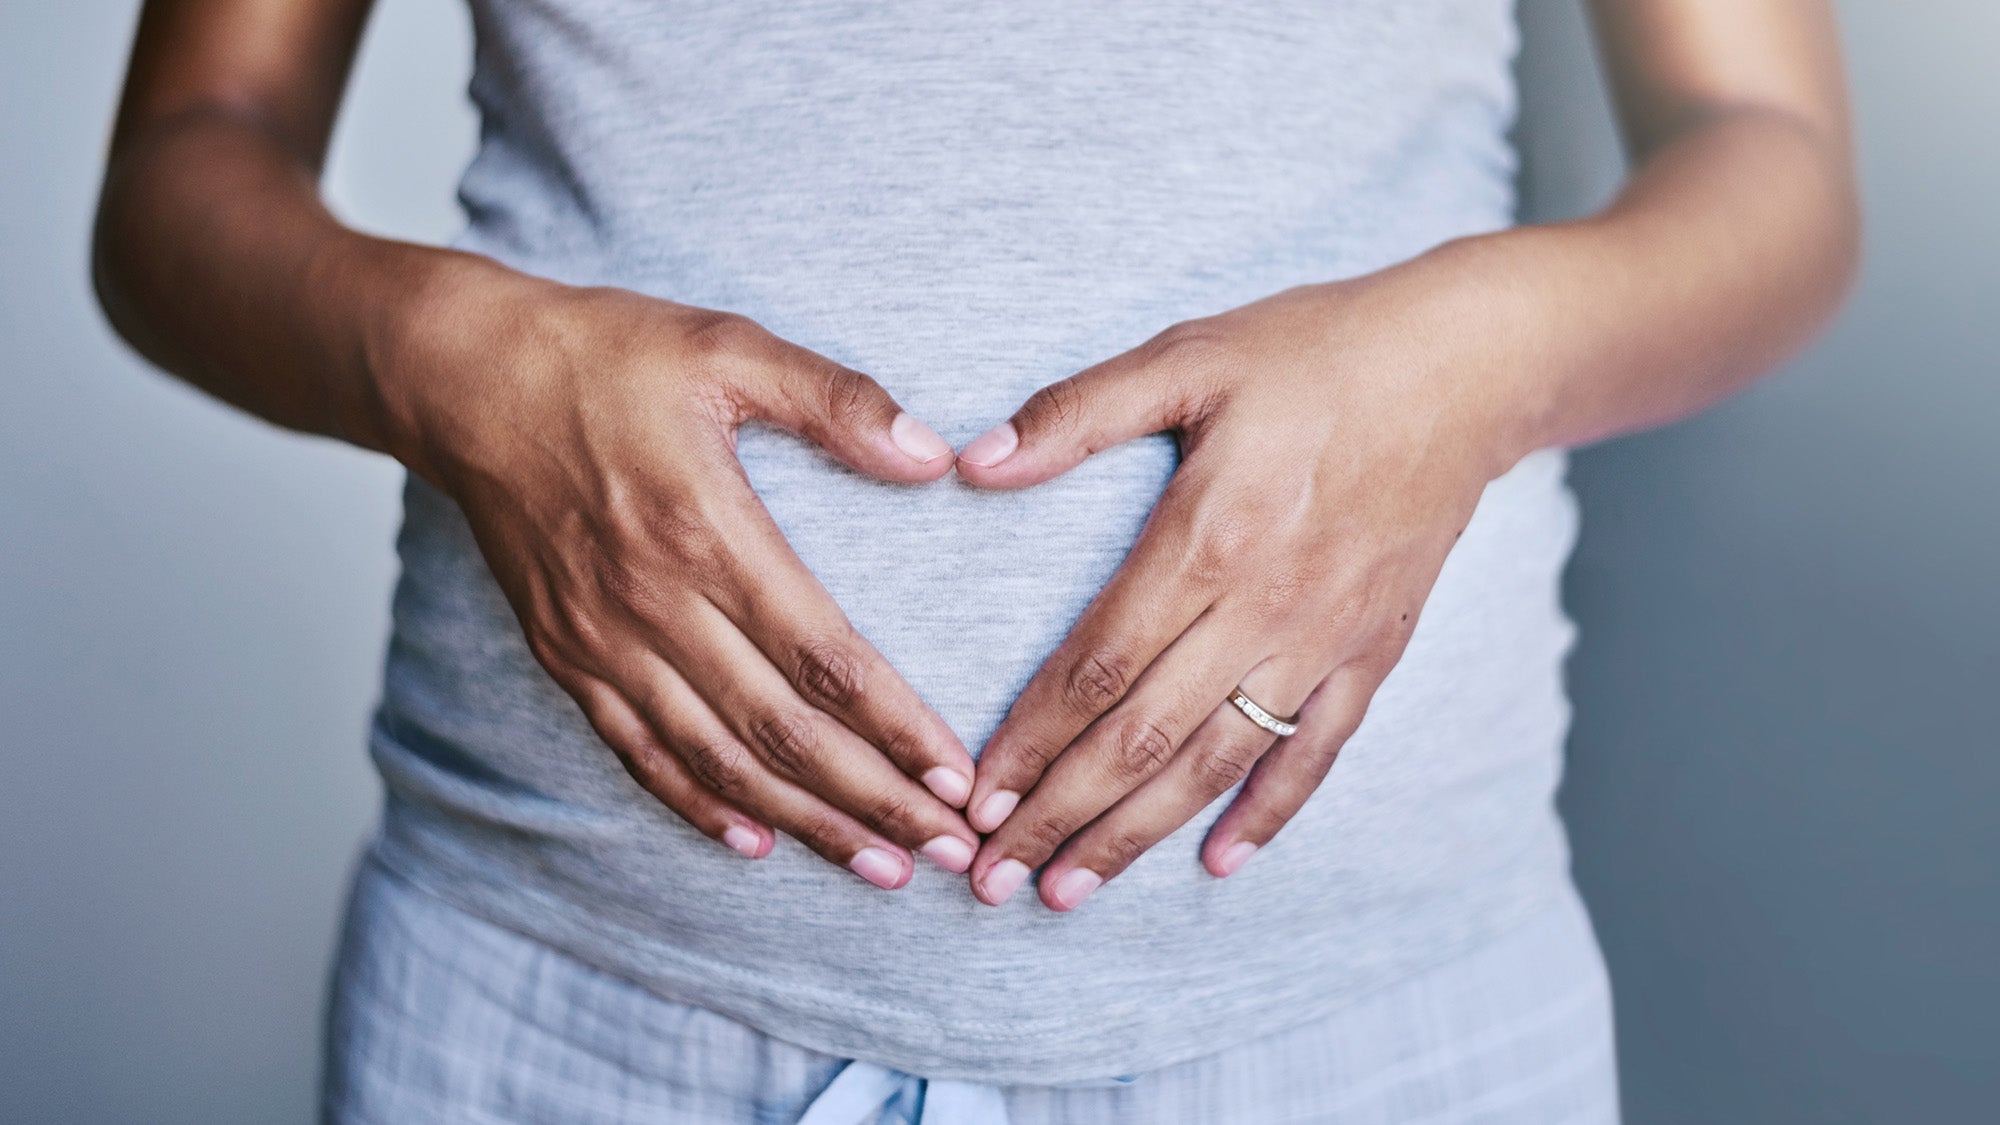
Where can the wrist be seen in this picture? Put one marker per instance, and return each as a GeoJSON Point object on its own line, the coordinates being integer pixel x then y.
{"type": "Point", "coordinates": [1490, 306]}
{"type": "Point", "coordinates": [428, 333]}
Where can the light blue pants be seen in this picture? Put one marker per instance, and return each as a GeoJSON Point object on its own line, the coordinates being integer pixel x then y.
{"type": "Point", "coordinates": [441, 1018]}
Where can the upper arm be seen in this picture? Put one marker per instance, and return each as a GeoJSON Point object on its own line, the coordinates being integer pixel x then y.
{"type": "Point", "coordinates": [280, 64]}
{"type": "Point", "coordinates": [1676, 63]}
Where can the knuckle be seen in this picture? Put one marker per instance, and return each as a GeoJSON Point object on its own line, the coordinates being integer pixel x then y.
{"type": "Point", "coordinates": [1057, 406]}
{"type": "Point", "coordinates": [686, 531]}
{"type": "Point", "coordinates": [1277, 593]}
{"type": "Point", "coordinates": [1348, 615]}
{"type": "Point", "coordinates": [1041, 837]}
{"type": "Point", "coordinates": [721, 337]}
{"type": "Point", "coordinates": [1220, 538]}
{"type": "Point", "coordinates": [551, 653]}
{"type": "Point", "coordinates": [1395, 639]}
{"type": "Point", "coordinates": [571, 652]}
{"type": "Point", "coordinates": [722, 766]}
{"type": "Point", "coordinates": [901, 745]}
{"type": "Point", "coordinates": [1187, 347]}
{"type": "Point", "coordinates": [889, 812]}
{"type": "Point", "coordinates": [829, 674]}
{"type": "Point", "coordinates": [1038, 756]}
{"type": "Point", "coordinates": [1379, 660]}
{"type": "Point", "coordinates": [1140, 748]}
{"type": "Point", "coordinates": [788, 742]}
{"type": "Point", "coordinates": [620, 581]}
{"type": "Point", "coordinates": [1098, 680]}
{"type": "Point", "coordinates": [1313, 771]}
{"type": "Point", "coordinates": [1223, 767]}
{"type": "Point", "coordinates": [583, 633]}
{"type": "Point", "coordinates": [1343, 728]}
{"type": "Point", "coordinates": [821, 832]}
{"type": "Point", "coordinates": [1120, 850]}
{"type": "Point", "coordinates": [849, 396]}
{"type": "Point", "coordinates": [639, 589]}
{"type": "Point", "coordinates": [643, 765]}
{"type": "Point", "coordinates": [1018, 758]}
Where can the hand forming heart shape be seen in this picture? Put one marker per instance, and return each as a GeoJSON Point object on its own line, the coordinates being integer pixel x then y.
{"type": "Point", "coordinates": [1333, 452]}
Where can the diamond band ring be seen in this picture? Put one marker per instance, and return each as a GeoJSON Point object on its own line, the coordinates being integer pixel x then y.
{"type": "Point", "coordinates": [1283, 728]}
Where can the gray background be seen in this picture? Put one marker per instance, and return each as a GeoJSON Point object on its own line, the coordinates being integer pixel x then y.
{"type": "Point", "coordinates": [1784, 761]}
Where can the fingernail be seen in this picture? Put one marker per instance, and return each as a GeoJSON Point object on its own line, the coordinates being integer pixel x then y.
{"type": "Point", "coordinates": [743, 840]}
{"type": "Point", "coordinates": [917, 439]}
{"type": "Point", "coordinates": [950, 853]}
{"type": "Point", "coordinates": [992, 447]}
{"type": "Point", "coordinates": [1004, 879]}
{"type": "Point", "coordinates": [878, 867]}
{"type": "Point", "coordinates": [951, 786]}
{"type": "Point", "coordinates": [1075, 886]}
{"type": "Point", "coordinates": [1234, 857]}
{"type": "Point", "coordinates": [995, 809]}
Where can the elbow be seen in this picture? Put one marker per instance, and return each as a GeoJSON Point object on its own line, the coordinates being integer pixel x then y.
{"type": "Point", "coordinates": [106, 278]}
{"type": "Point", "coordinates": [109, 259]}
{"type": "Point", "coordinates": [1846, 243]}
{"type": "Point", "coordinates": [117, 268]}
{"type": "Point", "coordinates": [1828, 199]}
{"type": "Point", "coordinates": [1840, 235]}
{"type": "Point", "coordinates": [1840, 241]}
{"type": "Point", "coordinates": [1806, 162]}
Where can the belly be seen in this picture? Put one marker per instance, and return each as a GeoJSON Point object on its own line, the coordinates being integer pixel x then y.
{"type": "Point", "coordinates": [964, 591]}
{"type": "Point", "coordinates": [1435, 830]}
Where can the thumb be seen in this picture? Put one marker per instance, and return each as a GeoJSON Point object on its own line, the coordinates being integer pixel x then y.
{"type": "Point", "coordinates": [1064, 423]}
{"type": "Point", "coordinates": [850, 416]}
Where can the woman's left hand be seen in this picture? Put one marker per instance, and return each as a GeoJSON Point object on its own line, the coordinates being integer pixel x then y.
{"type": "Point", "coordinates": [1335, 441]}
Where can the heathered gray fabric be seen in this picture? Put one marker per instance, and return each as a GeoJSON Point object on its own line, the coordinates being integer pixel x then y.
{"type": "Point", "coordinates": [969, 201]}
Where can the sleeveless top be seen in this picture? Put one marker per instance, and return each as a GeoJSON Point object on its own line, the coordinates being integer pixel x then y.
{"type": "Point", "coordinates": [968, 201]}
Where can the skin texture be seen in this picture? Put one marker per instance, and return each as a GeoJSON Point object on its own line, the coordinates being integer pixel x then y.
{"type": "Point", "coordinates": [1336, 437]}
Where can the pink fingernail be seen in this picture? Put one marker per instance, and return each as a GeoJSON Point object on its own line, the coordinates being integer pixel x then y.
{"type": "Point", "coordinates": [1004, 879]}
{"type": "Point", "coordinates": [992, 447]}
{"type": "Point", "coordinates": [1235, 856]}
{"type": "Point", "coordinates": [950, 853]}
{"type": "Point", "coordinates": [951, 786]}
{"type": "Point", "coordinates": [743, 840]}
{"type": "Point", "coordinates": [995, 809]}
{"type": "Point", "coordinates": [878, 867]}
{"type": "Point", "coordinates": [918, 440]}
{"type": "Point", "coordinates": [1075, 886]}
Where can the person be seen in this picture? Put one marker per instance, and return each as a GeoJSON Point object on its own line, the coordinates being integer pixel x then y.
{"type": "Point", "coordinates": [1211, 428]}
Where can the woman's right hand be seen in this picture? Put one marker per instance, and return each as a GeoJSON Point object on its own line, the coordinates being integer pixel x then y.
{"type": "Point", "coordinates": [589, 435]}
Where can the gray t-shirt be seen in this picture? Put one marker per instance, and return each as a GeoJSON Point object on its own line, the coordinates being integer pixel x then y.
{"type": "Point", "coordinates": [969, 201]}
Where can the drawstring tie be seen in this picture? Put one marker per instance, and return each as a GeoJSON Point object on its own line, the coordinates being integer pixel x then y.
{"type": "Point", "coordinates": [866, 1093]}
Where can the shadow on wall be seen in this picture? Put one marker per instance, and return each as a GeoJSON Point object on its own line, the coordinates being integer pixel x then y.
{"type": "Point", "coordinates": [1783, 767]}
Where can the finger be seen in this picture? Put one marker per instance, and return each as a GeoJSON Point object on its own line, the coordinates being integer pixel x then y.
{"type": "Point", "coordinates": [1151, 388]}
{"type": "Point", "coordinates": [808, 748]}
{"type": "Point", "coordinates": [716, 758]}
{"type": "Point", "coordinates": [773, 599]}
{"type": "Point", "coordinates": [1167, 581]}
{"type": "Point", "coordinates": [1215, 757]}
{"type": "Point", "coordinates": [1291, 772]}
{"type": "Point", "coordinates": [838, 409]}
{"type": "Point", "coordinates": [667, 777]}
{"type": "Point", "coordinates": [1129, 744]}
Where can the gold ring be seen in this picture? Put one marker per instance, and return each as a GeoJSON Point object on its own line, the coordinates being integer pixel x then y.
{"type": "Point", "coordinates": [1283, 728]}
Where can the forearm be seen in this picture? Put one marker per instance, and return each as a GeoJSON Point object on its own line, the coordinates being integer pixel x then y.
{"type": "Point", "coordinates": [216, 259]}
{"type": "Point", "coordinates": [1728, 247]}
